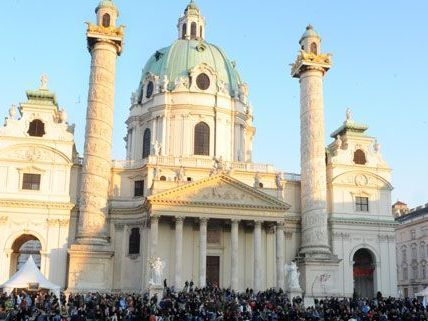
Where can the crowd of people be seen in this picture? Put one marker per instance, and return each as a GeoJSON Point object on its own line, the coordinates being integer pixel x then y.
{"type": "Point", "coordinates": [210, 303]}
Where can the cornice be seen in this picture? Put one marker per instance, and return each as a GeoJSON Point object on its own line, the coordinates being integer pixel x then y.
{"type": "Point", "coordinates": [36, 204]}
{"type": "Point", "coordinates": [363, 221]}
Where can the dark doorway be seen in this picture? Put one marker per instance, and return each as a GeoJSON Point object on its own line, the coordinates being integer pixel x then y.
{"type": "Point", "coordinates": [213, 270]}
{"type": "Point", "coordinates": [363, 271]}
{"type": "Point", "coordinates": [22, 248]}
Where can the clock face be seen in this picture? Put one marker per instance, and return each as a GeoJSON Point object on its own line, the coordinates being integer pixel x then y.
{"type": "Point", "coordinates": [149, 90]}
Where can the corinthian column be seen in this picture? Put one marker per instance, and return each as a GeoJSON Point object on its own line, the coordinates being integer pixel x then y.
{"type": "Point", "coordinates": [310, 68]}
{"type": "Point", "coordinates": [178, 251]}
{"type": "Point", "coordinates": [154, 236]}
{"type": "Point", "coordinates": [234, 280]}
{"type": "Point", "coordinates": [203, 252]}
{"type": "Point", "coordinates": [257, 256]}
{"type": "Point", "coordinates": [280, 256]}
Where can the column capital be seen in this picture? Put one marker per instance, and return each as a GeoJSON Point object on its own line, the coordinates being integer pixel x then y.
{"type": "Point", "coordinates": [280, 225]}
{"type": "Point", "coordinates": [179, 219]}
{"type": "Point", "coordinates": [258, 222]}
{"type": "Point", "coordinates": [235, 220]}
{"type": "Point", "coordinates": [203, 220]}
{"type": "Point", "coordinates": [154, 218]}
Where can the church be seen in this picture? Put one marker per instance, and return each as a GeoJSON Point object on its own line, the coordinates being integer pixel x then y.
{"type": "Point", "coordinates": [188, 191]}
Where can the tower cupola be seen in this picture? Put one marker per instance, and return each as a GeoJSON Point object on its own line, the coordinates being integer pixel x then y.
{"type": "Point", "coordinates": [191, 24]}
{"type": "Point", "coordinates": [311, 41]}
{"type": "Point", "coordinates": [107, 14]}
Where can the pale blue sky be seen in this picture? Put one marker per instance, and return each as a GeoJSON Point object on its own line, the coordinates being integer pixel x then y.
{"type": "Point", "coordinates": [380, 67]}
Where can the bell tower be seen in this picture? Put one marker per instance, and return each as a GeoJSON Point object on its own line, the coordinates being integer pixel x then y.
{"type": "Point", "coordinates": [92, 249]}
{"type": "Point", "coordinates": [310, 67]}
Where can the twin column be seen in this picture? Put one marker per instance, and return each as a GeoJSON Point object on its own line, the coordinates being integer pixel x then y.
{"type": "Point", "coordinates": [234, 268]}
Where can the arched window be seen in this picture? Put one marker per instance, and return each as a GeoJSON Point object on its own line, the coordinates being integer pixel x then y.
{"type": "Point", "coordinates": [360, 157]}
{"type": "Point", "coordinates": [146, 143]}
{"type": "Point", "coordinates": [134, 241]}
{"type": "Point", "coordinates": [162, 178]}
{"type": "Point", "coordinates": [193, 30]}
{"type": "Point", "coordinates": [37, 128]}
{"type": "Point", "coordinates": [106, 20]}
{"type": "Point", "coordinates": [202, 139]}
{"type": "Point", "coordinates": [184, 31]}
{"type": "Point", "coordinates": [314, 48]}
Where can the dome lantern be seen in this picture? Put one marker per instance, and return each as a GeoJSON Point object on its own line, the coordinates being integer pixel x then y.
{"type": "Point", "coordinates": [191, 25]}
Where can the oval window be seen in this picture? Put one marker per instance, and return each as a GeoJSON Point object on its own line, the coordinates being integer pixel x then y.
{"type": "Point", "coordinates": [149, 90]}
{"type": "Point", "coordinates": [203, 82]}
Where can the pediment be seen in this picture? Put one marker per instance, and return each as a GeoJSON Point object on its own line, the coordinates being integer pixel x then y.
{"type": "Point", "coordinates": [362, 179]}
{"type": "Point", "coordinates": [221, 191]}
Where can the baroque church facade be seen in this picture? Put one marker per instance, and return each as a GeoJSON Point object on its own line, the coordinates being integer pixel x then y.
{"type": "Point", "coordinates": [188, 191]}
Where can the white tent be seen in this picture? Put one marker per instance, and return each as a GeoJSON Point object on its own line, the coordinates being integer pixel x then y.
{"type": "Point", "coordinates": [424, 294]}
{"type": "Point", "coordinates": [30, 275]}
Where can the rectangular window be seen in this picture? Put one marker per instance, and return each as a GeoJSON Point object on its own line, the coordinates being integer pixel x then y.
{"type": "Point", "coordinates": [139, 188]}
{"type": "Point", "coordinates": [31, 182]}
{"type": "Point", "coordinates": [405, 276]}
{"type": "Point", "coordinates": [362, 204]}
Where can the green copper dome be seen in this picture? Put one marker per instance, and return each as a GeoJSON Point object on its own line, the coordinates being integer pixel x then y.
{"type": "Point", "coordinates": [178, 59]}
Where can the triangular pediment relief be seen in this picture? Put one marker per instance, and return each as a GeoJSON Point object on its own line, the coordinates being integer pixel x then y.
{"type": "Point", "coordinates": [219, 190]}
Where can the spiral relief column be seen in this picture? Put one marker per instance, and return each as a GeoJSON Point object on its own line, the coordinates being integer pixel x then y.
{"type": "Point", "coordinates": [310, 67]}
{"type": "Point", "coordinates": [105, 42]}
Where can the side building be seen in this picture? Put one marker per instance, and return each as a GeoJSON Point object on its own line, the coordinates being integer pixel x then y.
{"type": "Point", "coordinates": [412, 251]}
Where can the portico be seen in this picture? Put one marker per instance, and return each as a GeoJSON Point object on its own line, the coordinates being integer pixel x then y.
{"type": "Point", "coordinates": [244, 241]}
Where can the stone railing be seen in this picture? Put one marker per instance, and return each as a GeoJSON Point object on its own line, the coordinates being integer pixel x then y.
{"type": "Point", "coordinates": [200, 162]}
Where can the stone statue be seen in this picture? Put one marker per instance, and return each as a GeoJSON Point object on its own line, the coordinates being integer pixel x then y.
{"type": "Point", "coordinates": [221, 86]}
{"type": "Point", "coordinates": [182, 83]}
{"type": "Point", "coordinates": [257, 180]}
{"type": "Point", "coordinates": [157, 148]}
{"type": "Point", "coordinates": [292, 276]}
{"type": "Point", "coordinates": [376, 146]}
{"type": "Point", "coordinates": [163, 86]}
{"type": "Point", "coordinates": [218, 164]}
{"type": "Point", "coordinates": [338, 142]}
{"type": "Point", "coordinates": [156, 173]}
{"type": "Point", "coordinates": [156, 269]}
{"type": "Point", "coordinates": [348, 114]}
{"type": "Point", "coordinates": [134, 98]}
{"type": "Point", "coordinates": [63, 116]}
{"type": "Point", "coordinates": [243, 93]}
{"type": "Point", "coordinates": [278, 178]}
{"type": "Point", "coordinates": [44, 82]}
{"type": "Point", "coordinates": [180, 174]}
{"type": "Point", "coordinates": [12, 112]}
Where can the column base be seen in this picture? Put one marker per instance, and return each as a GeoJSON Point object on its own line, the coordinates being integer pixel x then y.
{"type": "Point", "coordinates": [319, 275]}
{"type": "Point", "coordinates": [90, 268]}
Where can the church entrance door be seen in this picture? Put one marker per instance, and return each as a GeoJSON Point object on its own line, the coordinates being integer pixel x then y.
{"type": "Point", "coordinates": [213, 270]}
{"type": "Point", "coordinates": [363, 271]}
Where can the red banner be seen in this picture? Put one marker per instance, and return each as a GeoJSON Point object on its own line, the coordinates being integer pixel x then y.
{"type": "Point", "coordinates": [363, 271]}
